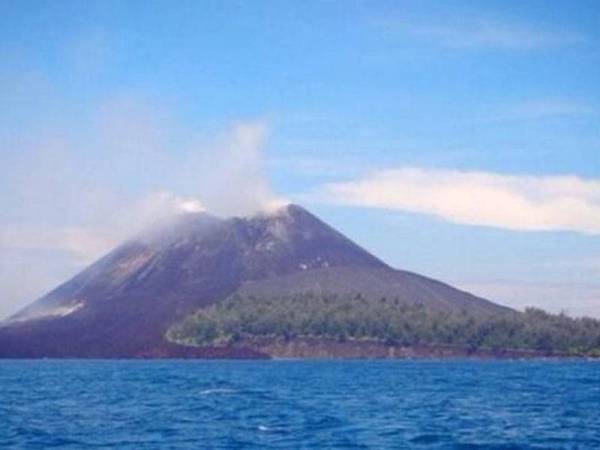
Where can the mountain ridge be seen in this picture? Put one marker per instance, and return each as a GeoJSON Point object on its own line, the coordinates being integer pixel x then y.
{"type": "Point", "coordinates": [123, 304]}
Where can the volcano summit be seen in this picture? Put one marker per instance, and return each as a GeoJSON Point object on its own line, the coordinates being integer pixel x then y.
{"type": "Point", "coordinates": [124, 304]}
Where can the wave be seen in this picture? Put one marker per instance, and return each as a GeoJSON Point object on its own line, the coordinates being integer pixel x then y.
{"type": "Point", "coordinates": [218, 391]}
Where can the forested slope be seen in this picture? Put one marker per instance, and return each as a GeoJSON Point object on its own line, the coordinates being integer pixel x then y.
{"type": "Point", "coordinates": [386, 320]}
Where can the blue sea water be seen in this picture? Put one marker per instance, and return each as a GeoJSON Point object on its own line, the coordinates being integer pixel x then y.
{"type": "Point", "coordinates": [461, 404]}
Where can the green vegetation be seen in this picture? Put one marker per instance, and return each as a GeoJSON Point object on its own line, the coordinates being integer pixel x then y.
{"type": "Point", "coordinates": [384, 320]}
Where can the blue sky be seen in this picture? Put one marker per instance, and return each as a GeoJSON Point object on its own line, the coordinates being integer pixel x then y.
{"type": "Point", "coordinates": [456, 139]}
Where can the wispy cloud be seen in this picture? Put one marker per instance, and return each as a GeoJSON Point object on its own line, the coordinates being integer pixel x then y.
{"type": "Point", "coordinates": [533, 109]}
{"type": "Point", "coordinates": [482, 32]}
{"type": "Point", "coordinates": [479, 198]}
{"type": "Point", "coordinates": [550, 107]}
{"type": "Point", "coordinates": [81, 243]}
{"type": "Point", "coordinates": [84, 243]}
{"type": "Point", "coordinates": [576, 299]}
{"type": "Point", "coordinates": [90, 52]}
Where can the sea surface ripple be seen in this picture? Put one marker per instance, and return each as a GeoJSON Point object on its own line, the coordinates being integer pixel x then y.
{"type": "Point", "coordinates": [441, 404]}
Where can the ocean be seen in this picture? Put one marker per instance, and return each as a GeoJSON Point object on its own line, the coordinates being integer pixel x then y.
{"type": "Point", "coordinates": [194, 404]}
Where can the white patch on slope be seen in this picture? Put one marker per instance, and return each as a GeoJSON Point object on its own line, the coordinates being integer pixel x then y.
{"type": "Point", "coordinates": [42, 313]}
{"type": "Point", "coordinates": [127, 267]}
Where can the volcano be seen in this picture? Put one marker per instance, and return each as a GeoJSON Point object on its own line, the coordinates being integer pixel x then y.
{"type": "Point", "coordinates": [122, 305]}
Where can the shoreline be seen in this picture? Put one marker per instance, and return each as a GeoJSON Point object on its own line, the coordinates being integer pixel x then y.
{"type": "Point", "coordinates": [305, 348]}
{"type": "Point", "coordinates": [321, 348]}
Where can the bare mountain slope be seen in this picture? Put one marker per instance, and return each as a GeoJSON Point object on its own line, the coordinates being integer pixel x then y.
{"type": "Point", "coordinates": [375, 283]}
{"type": "Point", "coordinates": [122, 305]}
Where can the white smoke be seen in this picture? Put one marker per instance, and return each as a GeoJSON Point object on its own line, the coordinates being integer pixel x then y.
{"type": "Point", "coordinates": [161, 205]}
{"type": "Point", "coordinates": [232, 173]}
{"type": "Point", "coordinates": [71, 194]}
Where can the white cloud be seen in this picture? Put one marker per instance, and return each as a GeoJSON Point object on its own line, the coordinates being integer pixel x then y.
{"type": "Point", "coordinates": [477, 32]}
{"type": "Point", "coordinates": [534, 203]}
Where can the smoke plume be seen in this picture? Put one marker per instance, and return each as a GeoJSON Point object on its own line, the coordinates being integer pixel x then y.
{"type": "Point", "coordinates": [71, 193]}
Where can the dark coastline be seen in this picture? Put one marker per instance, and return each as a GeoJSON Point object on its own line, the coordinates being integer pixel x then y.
{"type": "Point", "coordinates": [317, 348]}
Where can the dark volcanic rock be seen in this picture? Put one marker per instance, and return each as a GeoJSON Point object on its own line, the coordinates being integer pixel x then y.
{"type": "Point", "coordinates": [122, 305]}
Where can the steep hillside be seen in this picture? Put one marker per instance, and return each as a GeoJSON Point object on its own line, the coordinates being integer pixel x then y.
{"type": "Point", "coordinates": [122, 305]}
